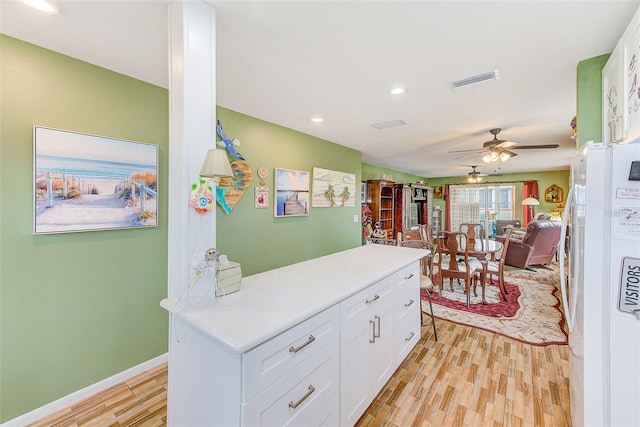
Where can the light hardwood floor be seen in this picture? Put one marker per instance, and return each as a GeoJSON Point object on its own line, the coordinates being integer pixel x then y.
{"type": "Point", "coordinates": [470, 377]}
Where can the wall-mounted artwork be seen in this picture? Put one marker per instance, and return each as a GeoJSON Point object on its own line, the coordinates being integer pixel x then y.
{"type": "Point", "coordinates": [262, 197]}
{"type": "Point", "coordinates": [333, 188]}
{"type": "Point", "coordinates": [292, 193]}
{"type": "Point", "coordinates": [88, 183]}
{"type": "Point", "coordinates": [231, 189]}
{"type": "Point", "coordinates": [437, 192]}
{"type": "Point", "coordinates": [553, 194]}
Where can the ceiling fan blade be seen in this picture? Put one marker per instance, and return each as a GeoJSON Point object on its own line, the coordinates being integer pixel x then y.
{"type": "Point", "coordinates": [506, 144]}
{"type": "Point", "coordinates": [468, 155]}
{"type": "Point", "coordinates": [533, 147]}
{"type": "Point", "coordinates": [475, 150]}
{"type": "Point", "coordinates": [511, 153]}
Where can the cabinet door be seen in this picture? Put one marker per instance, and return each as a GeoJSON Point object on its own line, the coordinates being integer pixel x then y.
{"type": "Point", "coordinates": [355, 378]}
{"type": "Point", "coordinates": [631, 55]}
{"type": "Point", "coordinates": [381, 357]}
{"type": "Point", "coordinates": [613, 120]}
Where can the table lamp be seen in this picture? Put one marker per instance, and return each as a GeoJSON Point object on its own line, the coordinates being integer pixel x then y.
{"type": "Point", "coordinates": [215, 166]}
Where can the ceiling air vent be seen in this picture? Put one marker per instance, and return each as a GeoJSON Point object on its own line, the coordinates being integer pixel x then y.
{"type": "Point", "coordinates": [387, 125]}
{"type": "Point", "coordinates": [493, 75]}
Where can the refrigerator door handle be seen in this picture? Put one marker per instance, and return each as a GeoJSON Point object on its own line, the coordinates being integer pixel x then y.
{"type": "Point", "coordinates": [564, 283]}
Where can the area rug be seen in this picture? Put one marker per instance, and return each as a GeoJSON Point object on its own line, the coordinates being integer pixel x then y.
{"type": "Point", "coordinates": [531, 313]}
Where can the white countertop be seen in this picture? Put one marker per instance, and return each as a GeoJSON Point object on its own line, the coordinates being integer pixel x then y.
{"type": "Point", "coordinates": [271, 302]}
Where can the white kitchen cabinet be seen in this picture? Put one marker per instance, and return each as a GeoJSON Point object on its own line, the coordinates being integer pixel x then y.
{"type": "Point", "coordinates": [621, 87]}
{"type": "Point", "coordinates": [614, 118]}
{"type": "Point", "coordinates": [370, 344]}
{"type": "Point", "coordinates": [277, 351]}
{"type": "Point", "coordinates": [366, 348]}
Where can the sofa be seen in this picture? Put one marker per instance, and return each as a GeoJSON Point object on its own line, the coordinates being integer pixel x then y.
{"type": "Point", "coordinates": [537, 246]}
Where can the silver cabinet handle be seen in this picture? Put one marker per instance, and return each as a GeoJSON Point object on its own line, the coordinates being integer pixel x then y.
{"type": "Point", "coordinates": [303, 398]}
{"type": "Point", "coordinates": [373, 328]}
{"type": "Point", "coordinates": [409, 337]}
{"type": "Point", "coordinates": [409, 277]}
{"type": "Point", "coordinates": [369, 301]}
{"type": "Point", "coordinates": [378, 321]}
{"type": "Point", "coordinates": [409, 303]}
{"type": "Point", "coordinates": [293, 349]}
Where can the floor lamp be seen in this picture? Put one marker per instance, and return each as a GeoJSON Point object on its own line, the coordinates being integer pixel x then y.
{"type": "Point", "coordinates": [531, 202]}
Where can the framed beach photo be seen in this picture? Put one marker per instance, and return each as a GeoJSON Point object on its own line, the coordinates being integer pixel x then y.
{"type": "Point", "coordinates": [89, 183]}
{"type": "Point", "coordinates": [292, 193]}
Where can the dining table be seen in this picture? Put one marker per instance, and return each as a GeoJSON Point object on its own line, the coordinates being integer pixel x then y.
{"type": "Point", "coordinates": [483, 250]}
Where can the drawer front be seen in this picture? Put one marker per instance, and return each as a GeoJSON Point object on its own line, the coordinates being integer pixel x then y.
{"type": "Point", "coordinates": [407, 303]}
{"type": "Point", "coordinates": [358, 307]}
{"type": "Point", "coordinates": [270, 361]}
{"type": "Point", "coordinates": [407, 336]}
{"type": "Point", "coordinates": [300, 395]}
{"type": "Point", "coordinates": [409, 276]}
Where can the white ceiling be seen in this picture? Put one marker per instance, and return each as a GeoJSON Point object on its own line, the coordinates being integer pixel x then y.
{"type": "Point", "coordinates": [285, 61]}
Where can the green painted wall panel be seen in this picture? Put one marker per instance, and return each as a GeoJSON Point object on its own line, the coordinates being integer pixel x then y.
{"type": "Point", "coordinates": [255, 237]}
{"type": "Point", "coordinates": [589, 102]}
{"type": "Point", "coordinates": [74, 308]}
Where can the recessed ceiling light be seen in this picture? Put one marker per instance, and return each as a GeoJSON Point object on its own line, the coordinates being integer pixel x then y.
{"type": "Point", "coordinates": [317, 119]}
{"type": "Point", "coordinates": [46, 6]}
{"type": "Point", "coordinates": [397, 91]}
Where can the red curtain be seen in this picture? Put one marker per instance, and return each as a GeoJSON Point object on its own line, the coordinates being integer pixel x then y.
{"type": "Point", "coordinates": [530, 189]}
{"type": "Point", "coordinates": [447, 220]}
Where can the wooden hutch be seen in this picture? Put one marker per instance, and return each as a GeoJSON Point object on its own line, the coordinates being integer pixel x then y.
{"type": "Point", "coordinates": [380, 200]}
{"type": "Point", "coordinates": [413, 205]}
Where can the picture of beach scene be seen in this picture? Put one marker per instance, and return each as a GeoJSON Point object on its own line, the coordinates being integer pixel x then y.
{"type": "Point", "coordinates": [292, 193]}
{"type": "Point", "coordinates": [88, 183]}
{"type": "Point", "coordinates": [333, 188]}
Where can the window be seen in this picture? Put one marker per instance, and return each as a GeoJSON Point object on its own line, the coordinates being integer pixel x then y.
{"type": "Point", "coordinates": [484, 203]}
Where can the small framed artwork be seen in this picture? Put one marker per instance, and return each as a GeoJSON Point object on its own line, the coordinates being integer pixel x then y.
{"type": "Point", "coordinates": [88, 183]}
{"type": "Point", "coordinates": [363, 191]}
{"type": "Point", "coordinates": [262, 197]}
{"type": "Point", "coordinates": [553, 194]}
{"type": "Point", "coordinates": [292, 193]}
{"type": "Point", "coordinates": [437, 192]}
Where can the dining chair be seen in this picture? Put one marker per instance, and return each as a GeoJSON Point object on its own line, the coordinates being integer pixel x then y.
{"type": "Point", "coordinates": [496, 266]}
{"type": "Point", "coordinates": [426, 232]}
{"type": "Point", "coordinates": [454, 262]}
{"type": "Point", "coordinates": [426, 278]}
{"type": "Point", "coordinates": [472, 230]}
{"type": "Point", "coordinates": [381, 241]}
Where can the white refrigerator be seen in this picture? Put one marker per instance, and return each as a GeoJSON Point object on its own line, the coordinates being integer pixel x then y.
{"type": "Point", "coordinates": [601, 286]}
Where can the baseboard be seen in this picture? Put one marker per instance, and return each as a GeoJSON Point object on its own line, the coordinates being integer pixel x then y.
{"type": "Point", "coordinates": [70, 399]}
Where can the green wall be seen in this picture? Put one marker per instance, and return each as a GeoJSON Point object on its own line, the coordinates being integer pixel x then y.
{"type": "Point", "coordinates": [254, 237]}
{"type": "Point", "coordinates": [370, 171]}
{"type": "Point", "coordinates": [74, 308]}
{"type": "Point", "coordinates": [589, 102]}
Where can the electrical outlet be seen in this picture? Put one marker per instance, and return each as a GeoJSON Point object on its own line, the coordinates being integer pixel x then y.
{"type": "Point", "coordinates": [203, 271]}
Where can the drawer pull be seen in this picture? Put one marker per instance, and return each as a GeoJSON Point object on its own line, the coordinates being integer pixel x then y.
{"type": "Point", "coordinates": [293, 349]}
{"type": "Point", "coordinates": [410, 337]}
{"type": "Point", "coordinates": [369, 301]}
{"type": "Point", "coordinates": [303, 398]}
{"type": "Point", "coordinates": [410, 303]}
{"type": "Point", "coordinates": [409, 277]}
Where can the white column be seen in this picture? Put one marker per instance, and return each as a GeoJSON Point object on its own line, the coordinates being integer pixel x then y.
{"type": "Point", "coordinates": [192, 118]}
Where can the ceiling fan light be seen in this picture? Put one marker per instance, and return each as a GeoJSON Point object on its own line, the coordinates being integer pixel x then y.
{"type": "Point", "coordinates": [493, 156]}
{"type": "Point", "coordinates": [486, 158]}
{"type": "Point", "coordinates": [504, 156]}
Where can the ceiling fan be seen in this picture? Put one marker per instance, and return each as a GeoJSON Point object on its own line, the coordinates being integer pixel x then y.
{"type": "Point", "coordinates": [500, 149]}
{"type": "Point", "coordinates": [475, 176]}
